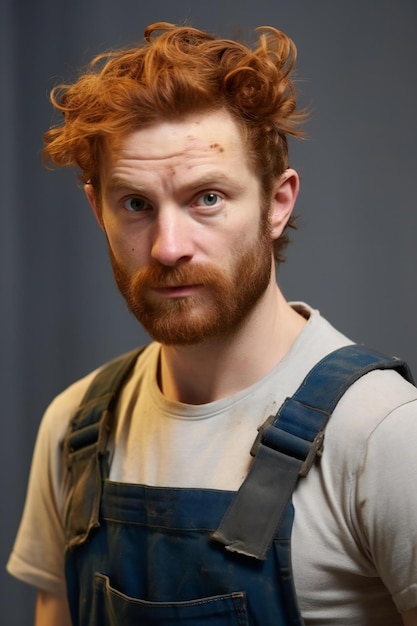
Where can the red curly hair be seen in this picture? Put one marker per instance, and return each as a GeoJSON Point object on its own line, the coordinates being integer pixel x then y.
{"type": "Point", "coordinates": [180, 71]}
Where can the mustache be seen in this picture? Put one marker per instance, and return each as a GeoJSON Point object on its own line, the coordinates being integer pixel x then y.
{"type": "Point", "coordinates": [159, 276]}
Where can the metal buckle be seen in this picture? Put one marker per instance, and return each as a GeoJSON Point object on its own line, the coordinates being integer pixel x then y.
{"type": "Point", "coordinates": [258, 440]}
{"type": "Point", "coordinates": [316, 449]}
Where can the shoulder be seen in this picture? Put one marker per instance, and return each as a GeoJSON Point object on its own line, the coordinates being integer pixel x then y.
{"type": "Point", "coordinates": [61, 409]}
{"type": "Point", "coordinates": [370, 421]}
{"type": "Point", "coordinates": [380, 415]}
{"type": "Point", "coordinates": [369, 460]}
{"type": "Point", "coordinates": [372, 404]}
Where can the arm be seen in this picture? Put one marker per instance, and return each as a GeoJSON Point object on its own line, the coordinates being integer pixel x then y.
{"type": "Point", "coordinates": [52, 610]}
{"type": "Point", "coordinates": [410, 617]}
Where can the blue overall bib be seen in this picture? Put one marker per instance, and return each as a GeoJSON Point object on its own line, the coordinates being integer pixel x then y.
{"type": "Point", "coordinates": [139, 555]}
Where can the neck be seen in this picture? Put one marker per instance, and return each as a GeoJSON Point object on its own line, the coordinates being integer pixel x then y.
{"type": "Point", "coordinates": [218, 368]}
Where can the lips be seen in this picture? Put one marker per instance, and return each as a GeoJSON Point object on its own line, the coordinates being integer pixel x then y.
{"type": "Point", "coordinates": [177, 290]}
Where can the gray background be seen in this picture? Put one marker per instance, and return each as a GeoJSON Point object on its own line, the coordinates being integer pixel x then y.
{"type": "Point", "coordinates": [354, 256]}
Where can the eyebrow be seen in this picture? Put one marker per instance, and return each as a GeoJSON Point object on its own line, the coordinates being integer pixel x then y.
{"type": "Point", "coordinates": [211, 179]}
{"type": "Point", "coordinates": [117, 183]}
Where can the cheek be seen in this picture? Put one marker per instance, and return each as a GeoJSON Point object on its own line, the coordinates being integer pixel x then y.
{"type": "Point", "coordinates": [246, 233]}
{"type": "Point", "coordinates": [126, 248]}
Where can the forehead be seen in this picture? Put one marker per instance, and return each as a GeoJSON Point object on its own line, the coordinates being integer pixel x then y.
{"type": "Point", "coordinates": [189, 142]}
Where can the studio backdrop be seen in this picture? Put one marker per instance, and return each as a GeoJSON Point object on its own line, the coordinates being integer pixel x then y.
{"type": "Point", "coordinates": [354, 256]}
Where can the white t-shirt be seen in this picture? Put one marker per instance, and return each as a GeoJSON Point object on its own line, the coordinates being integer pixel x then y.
{"type": "Point", "coordinates": [354, 540]}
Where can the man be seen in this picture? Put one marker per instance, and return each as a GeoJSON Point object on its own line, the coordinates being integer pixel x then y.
{"type": "Point", "coordinates": [182, 147]}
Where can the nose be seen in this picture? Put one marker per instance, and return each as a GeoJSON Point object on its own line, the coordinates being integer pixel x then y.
{"type": "Point", "coordinates": [172, 239]}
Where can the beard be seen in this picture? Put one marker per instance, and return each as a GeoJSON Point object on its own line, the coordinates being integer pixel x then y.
{"type": "Point", "coordinates": [224, 299]}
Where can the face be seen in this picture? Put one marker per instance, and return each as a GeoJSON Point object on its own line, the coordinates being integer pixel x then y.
{"type": "Point", "coordinates": [190, 243]}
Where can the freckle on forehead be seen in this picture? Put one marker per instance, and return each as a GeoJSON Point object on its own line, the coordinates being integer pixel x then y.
{"type": "Point", "coordinates": [217, 146]}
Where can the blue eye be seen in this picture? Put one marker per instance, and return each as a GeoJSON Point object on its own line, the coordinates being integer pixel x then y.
{"type": "Point", "coordinates": [136, 205]}
{"type": "Point", "coordinates": [209, 199]}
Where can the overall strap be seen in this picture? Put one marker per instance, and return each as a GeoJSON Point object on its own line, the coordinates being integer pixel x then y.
{"type": "Point", "coordinates": [85, 446]}
{"type": "Point", "coordinates": [287, 446]}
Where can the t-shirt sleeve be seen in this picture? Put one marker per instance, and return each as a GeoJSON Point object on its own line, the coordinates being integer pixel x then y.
{"type": "Point", "coordinates": [38, 553]}
{"type": "Point", "coordinates": [386, 500]}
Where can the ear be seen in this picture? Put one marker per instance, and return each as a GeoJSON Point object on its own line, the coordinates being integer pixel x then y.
{"type": "Point", "coordinates": [95, 203]}
{"type": "Point", "coordinates": [283, 199]}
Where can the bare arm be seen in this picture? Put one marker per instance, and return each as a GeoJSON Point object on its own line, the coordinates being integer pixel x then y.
{"type": "Point", "coordinates": [410, 617]}
{"type": "Point", "coordinates": [52, 610]}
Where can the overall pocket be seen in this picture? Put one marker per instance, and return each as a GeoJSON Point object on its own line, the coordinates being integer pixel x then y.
{"type": "Point", "coordinates": [113, 608]}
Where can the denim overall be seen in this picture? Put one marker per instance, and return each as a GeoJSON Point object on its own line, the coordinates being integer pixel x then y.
{"type": "Point", "coordinates": [148, 556]}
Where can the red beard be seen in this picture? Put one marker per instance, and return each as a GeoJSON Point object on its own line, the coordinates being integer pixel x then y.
{"type": "Point", "coordinates": [223, 301]}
